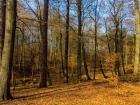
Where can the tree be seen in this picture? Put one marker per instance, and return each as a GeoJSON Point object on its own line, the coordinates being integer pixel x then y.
{"type": "Point", "coordinates": [44, 47]}
{"type": "Point", "coordinates": [115, 9]}
{"type": "Point", "coordinates": [95, 40]}
{"type": "Point", "coordinates": [79, 6]}
{"type": "Point", "coordinates": [2, 25]}
{"type": "Point", "coordinates": [8, 50]}
{"type": "Point", "coordinates": [137, 40]}
{"type": "Point", "coordinates": [85, 61]}
{"type": "Point", "coordinates": [85, 11]}
{"type": "Point", "coordinates": [67, 39]}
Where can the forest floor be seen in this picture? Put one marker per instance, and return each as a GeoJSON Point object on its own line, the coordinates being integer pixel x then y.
{"type": "Point", "coordinates": [85, 93]}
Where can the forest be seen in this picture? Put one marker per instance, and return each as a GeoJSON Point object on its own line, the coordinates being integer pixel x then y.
{"type": "Point", "coordinates": [69, 52]}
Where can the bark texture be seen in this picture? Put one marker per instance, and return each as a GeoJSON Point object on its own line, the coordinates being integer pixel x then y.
{"type": "Point", "coordinates": [137, 40]}
{"type": "Point", "coordinates": [44, 47]}
{"type": "Point", "coordinates": [7, 55]}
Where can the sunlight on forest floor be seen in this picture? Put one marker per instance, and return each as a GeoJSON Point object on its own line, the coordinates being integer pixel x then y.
{"type": "Point", "coordinates": [86, 93]}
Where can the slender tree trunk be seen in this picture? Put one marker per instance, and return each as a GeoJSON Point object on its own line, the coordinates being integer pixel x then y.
{"type": "Point", "coordinates": [134, 41]}
{"type": "Point", "coordinates": [7, 56]}
{"type": "Point", "coordinates": [85, 66]}
{"type": "Point", "coordinates": [84, 59]}
{"type": "Point", "coordinates": [95, 40]}
{"type": "Point", "coordinates": [122, 49]}
{"type": "Point", "coordinates": [79, 4]}
{"type": "Point", "coordinates": [137, 41]}
{"type": "Point", "coordinates": [67, 40]}
{"type": "Point", "coordinates": [44, 47]}
{"type": "Point", "coordinates": [95, 50]}
{"type": "Point", "coordinates": [117, 62]}
{"type": "Point", "coordinates": [126, 51]}
{"type": "Point", "coordinates": [61, 51]}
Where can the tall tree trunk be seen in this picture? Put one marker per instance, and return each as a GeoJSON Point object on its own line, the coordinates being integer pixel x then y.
{"type": "Point", "coordinates": [122, 49]}
{"type": "Point", "coordinates": [95, 40]}
{"type": "Point", "coordinates": [95, 50]}
{"type": "Point", "coordinates": [7, 55]}
{"type": "Point", "coordinates": [79, 4]}
{"type": "Point", "coordinates": [61, 51]}
{"type": "Point", "coordinates": [44, 47]}
{"type": "Point", "coordinates": [117, 62]}
{"type": "Point", "coordinates": [67, 40]}
{"type": "Point", "coordinates": [126, 52]}
{"type": "Point", "coordinates": [2, 25]}
{"type": "Point", "coordinates": [137, 40]}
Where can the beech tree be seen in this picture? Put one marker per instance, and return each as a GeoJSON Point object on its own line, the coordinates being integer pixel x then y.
{"type": "Point", "coordinates": [44, 47]}
{"type": "Point", "coordinates": [2, 25]}
{"type": "Point", "coordinates": [137, 40]}
{"type": "Point", "coordinates": [67, 39]}
{"type": "Point", "coordinates": [8, 50]}
{"type": "Point", "coordinates": [79, 61]}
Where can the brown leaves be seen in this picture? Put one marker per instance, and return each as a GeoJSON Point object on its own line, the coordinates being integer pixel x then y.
{"type": "Point", "coordinates": [79, 94]}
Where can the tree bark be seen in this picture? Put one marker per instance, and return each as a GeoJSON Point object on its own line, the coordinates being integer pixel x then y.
{"type": "Point", "coordinates": [67, 40]}
{"type": "Point", "coordinates": [7, 55]}
{"type": "Point", "coordinates": [122, 49]}
{"type": "Point", "coordinates": [2, 26]}
{"type": "Point", "coordinates": [95, 50]}
{"type": "Point", "coordinates": [61, 51]}
{"type": "Point", "coordinates": [95, 40]}
{"type": "Point", "coordinates": [117, 62]}
{"type": "Point", "coordinates": [79, 4]}
{"type": "Point", "coordinates": [137, 40]}
{"type": "Point", "coordinates": [44, 47]}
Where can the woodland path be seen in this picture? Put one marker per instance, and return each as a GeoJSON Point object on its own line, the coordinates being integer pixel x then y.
{"type": "Point", "coordinates": [86, 93]}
